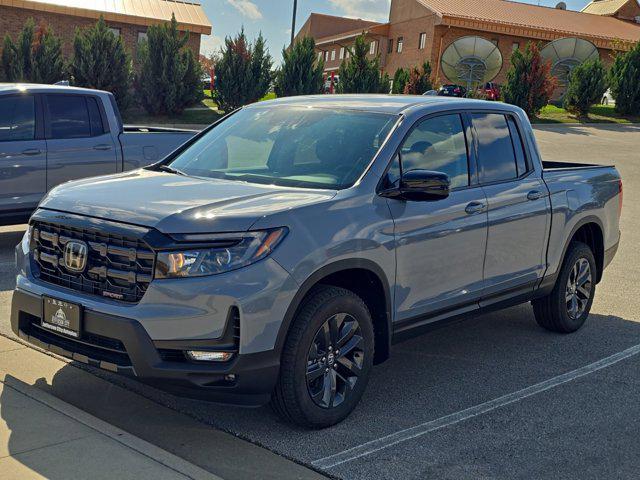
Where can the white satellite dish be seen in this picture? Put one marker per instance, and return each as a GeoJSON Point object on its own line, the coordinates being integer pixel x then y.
{"type": "Point", "coordinates": [567, 53]}
{"type": "Point", "coordinates": [471, 61]}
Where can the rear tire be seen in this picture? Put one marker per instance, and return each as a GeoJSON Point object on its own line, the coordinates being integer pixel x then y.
{"type": "Point", "coordinates": [567, 306]}
{"type": "Point", "coordinates": [326, 359]}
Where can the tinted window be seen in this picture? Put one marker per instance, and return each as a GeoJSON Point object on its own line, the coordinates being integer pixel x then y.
{"type": "Point", "coordinates": [495, 150]}
{"type": "Point", "coordinates": [17, 118]}
{"type": "Point", "coordinates": [517, 146]}
{"type": "Point", "coordinates": [94, 117]}
{"type": "Point", "coordinates": [438, 144]}
{"type": "Point", "coordinates": [69, 116]}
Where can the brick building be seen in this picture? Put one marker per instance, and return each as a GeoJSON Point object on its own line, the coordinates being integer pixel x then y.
{"type": "Point", "coordinates": [472, 40]}
{"type": "Point", "coordinates": [127, 18]}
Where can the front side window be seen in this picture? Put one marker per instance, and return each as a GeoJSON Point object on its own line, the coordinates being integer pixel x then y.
{"type": "Point", "coordinates": [438, 144]}
{"type": "Point", "coordinates": [68, 116]}
{"type": "Point", "coordinates": [17, 118]}
{"type": "Point", "coordinates": [289, 146]}
{"type": "Point", "coordinates": [496, 156]}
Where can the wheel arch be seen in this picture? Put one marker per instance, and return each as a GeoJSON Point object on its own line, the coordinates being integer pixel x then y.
{"type": "Point", "coordinates": [589, 231]}
{"type": "Point", "coordinates": [365, 278]}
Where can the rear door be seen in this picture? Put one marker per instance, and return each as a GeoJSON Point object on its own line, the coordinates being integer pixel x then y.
{"type": "Point", "coordinates": [79, 143]}
{"type": "Point", "coordinates": [23, 154]}
{"type": "Point", "coordinates": [518, 203]}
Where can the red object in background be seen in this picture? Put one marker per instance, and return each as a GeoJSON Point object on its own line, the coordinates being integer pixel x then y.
{"type": "Point", "coordinates": [492, 91]}
{"type": "Point", "coordinates": [333, 76]}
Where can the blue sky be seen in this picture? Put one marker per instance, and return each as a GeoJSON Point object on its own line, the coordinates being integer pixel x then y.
{"type": "Point", "coordinates": [273, 17]}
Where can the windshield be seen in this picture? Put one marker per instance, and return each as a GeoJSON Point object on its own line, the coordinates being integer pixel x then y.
{"type": "Point", "coordinates": [289, 146]}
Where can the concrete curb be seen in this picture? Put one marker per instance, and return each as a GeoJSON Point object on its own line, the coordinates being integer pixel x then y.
{"type": "Point", "coordinates": [130, 441]}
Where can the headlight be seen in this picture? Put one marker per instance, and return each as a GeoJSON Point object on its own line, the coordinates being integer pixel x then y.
{"type": "Point", "coordinates": [223, 253]}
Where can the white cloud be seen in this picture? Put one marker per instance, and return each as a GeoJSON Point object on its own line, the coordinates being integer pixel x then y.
{"type": "Point", "coordinates": [247, 8]}
{"type": "Point", "coordinates": [210, 44]}
{"type": "Point", "coordinates": [366, 9]}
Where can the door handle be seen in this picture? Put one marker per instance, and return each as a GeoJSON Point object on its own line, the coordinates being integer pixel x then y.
{"type": "Point", "coordinates": [102, 146]}
{"type": "Point", "coordinates": [535, 195]}
{"type": "Point", "coordinates": [32, 151]}
{"type": "Point", "coordinates": [474, 207]}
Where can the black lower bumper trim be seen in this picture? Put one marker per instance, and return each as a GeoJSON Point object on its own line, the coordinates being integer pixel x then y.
{"type": "Point", "coordinates": [246, 380]}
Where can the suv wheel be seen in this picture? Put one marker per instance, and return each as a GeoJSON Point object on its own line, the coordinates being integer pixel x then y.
{"type": "Point", "coordinates": [567, 307]}
{"type": "Point", "coordinates": [326, 360]}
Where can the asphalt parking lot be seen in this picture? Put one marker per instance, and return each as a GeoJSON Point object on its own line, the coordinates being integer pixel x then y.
{"type": "Point", "coordinates": [492, 397]}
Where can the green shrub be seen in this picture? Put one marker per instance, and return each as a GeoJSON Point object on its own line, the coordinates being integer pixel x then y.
{"type": "Point", "coordinates": [400, 79]}
{"type": "Point", "coordinates": [243, 72]}
{"type": "Point", "coordinates": [419, 80]}
{"type": "Point", "coordinates": [100, 61]}
{"type": "Point", "coordinates": [624, 79]}
{"type": "Point", "coordinates": [358, 74]}
{"type": "Point", "coordinates": [170, 77]}
{"type": "Point", "coordinates": [587, 84]}
{"type": "Point", "coordinates": [529, 82]}
{"type": "Point", "coordinates": [301, 71]}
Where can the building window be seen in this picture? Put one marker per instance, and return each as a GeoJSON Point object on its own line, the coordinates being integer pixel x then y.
{"type": "Point", "coordinates": [115, 31]}
{"type": "Point", "coordinates": [515, 46]}
{"type": "Point", "coordinates": [326, 56]}
{"type": "Point", "coordinates": [319, 56]}
{"type": "Point", "coordinates": [400, 43]}
{"type": "Point", "coordinates": [373, 46]}
{"type": "Point", "coordinates": [142, 36]}
{"type": "Point", "coordinates": [341, 53]}
{"type": "Point", "coordinates": [347, 54]}
{"type": "Point", "coordinates": [333, 55]}
{"type": "Point", "coordinates": [423, 41]}
{"type": "Point", "coordinates": [390, 46]}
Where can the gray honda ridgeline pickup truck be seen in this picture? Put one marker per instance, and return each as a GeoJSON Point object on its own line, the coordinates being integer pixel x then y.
{"type": "Point", "coordinates": [277, 255]}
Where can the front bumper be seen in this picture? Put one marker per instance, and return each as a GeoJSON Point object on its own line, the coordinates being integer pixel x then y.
{"type": "Point", "coordinates": [122, 345]}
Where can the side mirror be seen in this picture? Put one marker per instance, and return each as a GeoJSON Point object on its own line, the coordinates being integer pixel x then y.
{"type": "Point", "coordinates": [424, 185]}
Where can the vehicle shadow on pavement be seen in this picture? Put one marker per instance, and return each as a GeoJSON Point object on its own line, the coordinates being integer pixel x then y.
{"type": "Point", "coordinates": [444, 371]}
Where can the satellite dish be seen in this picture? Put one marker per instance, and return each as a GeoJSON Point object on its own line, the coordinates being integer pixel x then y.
{"type": "Point", "coordinates": [567, 53]}
{"type": "Point", "coordinates": [561, 6]}
{"type": "Point", "coordinates": [471, 61]}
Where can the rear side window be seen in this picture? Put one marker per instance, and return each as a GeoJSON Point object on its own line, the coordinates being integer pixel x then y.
{"type": "Point", "coordinates": [438, 144]}
{"type": "Point", "coordinates": [518, 146]}
{"type": "Point", "coordinates": [94, 117]}
{"type": "Point", "coordinates": [496, 156]}
{"type": "Point", "coordinates": [17, 118]}
{"type": "Point", "coordinates": [68, 116]}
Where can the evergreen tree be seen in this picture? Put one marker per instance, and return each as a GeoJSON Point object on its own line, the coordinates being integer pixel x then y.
{"type": "Point", "coordinates": [301, 71]}
{"type": "Point", "coordinates": [169, 77]}
{"type": "Point", "coordinates": [243, 72]}
{"type": "Point", "coordinates": [100, 61]}
{"type": "Point", "coordinates": [358, 74]}
{"type": "Point", "coordinates": [587, 84]}
{"type": "Point", "coordinates": [11, 71]}
{"type": "Point", "coordinates": [624, 79]}
{"type": "Point", "coordinates": [23, 47]}
{"type": "Point", "coordinates": [419, 80]}
{"type": "Point", "coordinates": [48, 63]}
{"type": "Point", "coordinates": [529, 82]}
{"type": "Point", "coordinates": [400, 79]}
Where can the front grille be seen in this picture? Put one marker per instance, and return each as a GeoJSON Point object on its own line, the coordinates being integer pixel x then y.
{"type": "Point", "coordinates": [117, 267]}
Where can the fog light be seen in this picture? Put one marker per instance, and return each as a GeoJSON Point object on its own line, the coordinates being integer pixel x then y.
{"type": "Point", "coordinates": [203, 356]}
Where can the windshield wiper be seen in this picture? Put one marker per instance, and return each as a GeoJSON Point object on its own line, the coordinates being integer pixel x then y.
{"type": "Point", "coordinates": [168, 169]}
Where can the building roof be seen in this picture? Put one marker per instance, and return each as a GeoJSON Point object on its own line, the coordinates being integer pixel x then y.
{"type": "Point", "coordinates": [319, 25]}
{"type": "Point", "coordinates": [604, 7]}
{"type": "Point", "coordinates": [376, 29]}
{"type": "Point", "coordinates": [527, 16]}
{"type": "Point", "coordinates": [190, 16]}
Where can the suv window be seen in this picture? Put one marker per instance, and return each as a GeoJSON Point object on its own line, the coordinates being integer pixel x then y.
{"type": "Point", "coordinates": [17, 118]}
{"type": "Point", "coordinates": [69, 116]}
{"type": "Point", "coordinates": [438, 144]}
{"type": "Point", "coordinates": [94, 117]}
{"type": "Point", "coordinates": [496, 156]}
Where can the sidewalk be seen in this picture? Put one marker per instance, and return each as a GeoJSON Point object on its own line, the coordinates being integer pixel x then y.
{"type": "Point", "coordinates": [42, 436]}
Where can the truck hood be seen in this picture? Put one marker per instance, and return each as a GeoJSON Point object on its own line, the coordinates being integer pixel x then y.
{"type": "Point", "coordinates": [176, 204]}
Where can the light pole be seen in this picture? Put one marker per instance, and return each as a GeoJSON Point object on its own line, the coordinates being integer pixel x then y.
{"type": "Point", "coordinates": [293, 20]}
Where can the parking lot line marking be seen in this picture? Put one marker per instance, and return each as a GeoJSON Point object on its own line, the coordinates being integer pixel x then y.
{"type": "Point", "coordinates": [457, 417]}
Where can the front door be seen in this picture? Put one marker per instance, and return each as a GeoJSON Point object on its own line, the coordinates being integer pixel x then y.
{"type": "Point", "coordinates": [79, 143]}
{"type": "Point", "coordinates": [23, 156]}
{"type": "Point", "coordinates": [519, 207]}
{"type": "Point", "coordinates": [440, 245]}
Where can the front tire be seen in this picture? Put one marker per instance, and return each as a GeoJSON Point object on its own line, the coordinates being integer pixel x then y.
{"type": "Point", "coordinates": [326, 359]}
{"type": "Point", "coordinates": [567, 307]}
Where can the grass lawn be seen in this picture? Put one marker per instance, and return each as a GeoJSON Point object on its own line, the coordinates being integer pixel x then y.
{"type": "Point", "coordinates": [597, 114]}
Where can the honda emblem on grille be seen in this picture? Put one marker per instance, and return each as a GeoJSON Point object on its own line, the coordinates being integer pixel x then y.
{"type": "Point", "coordinates": [75, 256]}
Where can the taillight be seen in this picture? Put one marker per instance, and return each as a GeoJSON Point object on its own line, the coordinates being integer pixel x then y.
{"type": "Point", "coordinates": [619, 197]}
